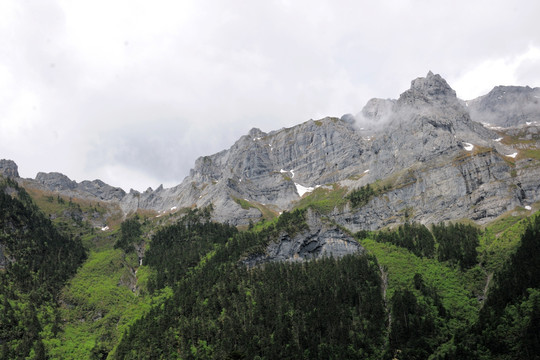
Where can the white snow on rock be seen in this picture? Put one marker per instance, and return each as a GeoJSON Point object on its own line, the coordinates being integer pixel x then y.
{"type": "Point", "coordinates": [105, 228]}
{"type": "Point", "coordinates": [365, 172]}
{"type": "Point", "coordinates": [468, 146]}
{"type": "Point", "coordinates": [287, 171]}
{"type": "Point", "coordinates": [301, 189]}
{"type": "Point", "coordinates": [492, 127]}
{"type": "Point", "coordinates": [497, 140]}
{"type": "Point", "coordinates": [173, 208]}
{"type": "Point", "coordinates": [512, 155]}
{"type": "Point", "coordinates": [528, 207]}
{"type": "Point", "coordinates": [528, 123]}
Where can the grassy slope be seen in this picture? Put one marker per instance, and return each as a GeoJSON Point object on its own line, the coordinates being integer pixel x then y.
{"type": "Point", "coordinates": [98, 305]}
{"type": "Point", "coordinates": [401, 266]}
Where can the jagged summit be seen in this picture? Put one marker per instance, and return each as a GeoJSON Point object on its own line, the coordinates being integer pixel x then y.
{"type": "Point", "coordinates": [507, 106]}
{"type": "Point", "coordinates": [8, 168]}
{"type": "Point", "coordinates": [432, 89]}
{"type": "Point", "coordinates": [425, 146]}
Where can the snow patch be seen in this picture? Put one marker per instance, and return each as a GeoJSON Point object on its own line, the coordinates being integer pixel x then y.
{"type": "Point", "coordinates": [528, 123]}
{"type": "Point", "coordinates": [497, 140]}
{"type": "Point", "coordinates": [468, 146]}
{"type": "Point", "coordinates": [512, 155]}
{"type": "Point", "coordinates": [301, 189]}
{"type": "Point", "coordinates": [257, 138]}
{"type": "Point", "coordinates": [173, 208]}
{"type": "Point", "coordinates": [528, 207]}
{"type": "Point", "coordinates": [287, 171]}
{"type": "Point", "coordinates": [105, 228]}
{"type": "Point", "coordinates": [492, 127]}
{"type": "Point", "coordinates": [365, 172]}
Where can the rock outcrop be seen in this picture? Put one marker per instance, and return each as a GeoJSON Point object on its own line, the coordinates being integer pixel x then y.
{"type": "Point", "coordinates": [507, 106]}
{"type": "Point", "coordinates": [321, 239]}
{"type": "Point", "coordinates": [94, 190]}
{"type": "Point", "coordinates": [8, 168]}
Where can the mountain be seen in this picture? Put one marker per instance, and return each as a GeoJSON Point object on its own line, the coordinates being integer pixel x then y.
{"type": "Point", "coordinates": [88, 271]}
{"type": "Point", "coordinates": [428, 149]}
{"type": "Point", "coordinates": [507, 106]}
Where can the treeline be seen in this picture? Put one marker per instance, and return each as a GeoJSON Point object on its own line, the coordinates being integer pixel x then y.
{"type": "Point", "coordinates": [38, 261]}
{"type": "Point", "coordinates": [361, 196]}
{"type": "Point", "coordinates": [317, 310]}
{"type": "Point", "coordinates": [130, 235]}
{"type": "Point", "coordinates": [177, 248]}
{"type": "Point", "coordinates": [509, 322]}
{"type": "Point", "coordinates": [418, 322]}
{"type": "Point", "coordinates": [455, 243]}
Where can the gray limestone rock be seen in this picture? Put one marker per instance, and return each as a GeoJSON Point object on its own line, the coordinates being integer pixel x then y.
{"type": "Point", "coordinates": [101, 190]}
{"type": "Point", "coordinates": [320, 240]}
{"type": "Point", "coordinates": [8, 168]}
{"type": "Point", "coordinates": [55, 181]}
{"type": "Point", "coordinates": [377, 111]}
{"type": "Point", "coordinates": [507, 106]}
{"type": "Point", "coordinates": [441, 163]}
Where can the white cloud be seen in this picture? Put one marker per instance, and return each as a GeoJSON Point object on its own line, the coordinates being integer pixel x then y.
{"type": "Point", "coordinates": [502, 71]}
{"type": "Point", "coordinates": [143, 88]}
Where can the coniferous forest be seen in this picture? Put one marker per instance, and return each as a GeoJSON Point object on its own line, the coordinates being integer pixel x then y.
{"type": "Point", "coordinates": [448, 291]}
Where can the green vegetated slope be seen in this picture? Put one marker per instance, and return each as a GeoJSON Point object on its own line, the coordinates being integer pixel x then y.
{"type": "Point", "coordinates": [37, 260]}
{"type": "Point", "coordinates": [415, 293]}
{"type": "Point", "coordinates": [223, 309]}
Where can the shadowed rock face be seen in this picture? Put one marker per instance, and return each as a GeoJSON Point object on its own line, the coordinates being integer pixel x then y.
{"type": "Point", "coordinates": [320, 240]}
{"type": "Point", "coordinates": [507, 106]}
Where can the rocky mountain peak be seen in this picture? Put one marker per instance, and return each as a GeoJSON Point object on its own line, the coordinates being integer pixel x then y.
{"type": "Point", "coordinates": [378, 110]}
{"type": "Point", "coordinates": [55, 181]}
{"type": "Point", "coordinates": [431, 89]}
{"type": "Point", "coordinates": [8, 168]}
{"type": "Point", "coordinates": [507, 106]}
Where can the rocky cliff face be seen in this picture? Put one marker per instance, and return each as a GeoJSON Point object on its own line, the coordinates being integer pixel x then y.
{"type": "Point", "coordinates": [8, 168]}
{"type": "Point", "coordinates": [94, 190]}
{"type": "Point", "coordinates": [507, 106]}
{"type": "Point", "coordinates": [436, 162]}
{"type": "Point", "coordinates": [321, 239]}
{"type": "Point", "coordinates": [268, 169]}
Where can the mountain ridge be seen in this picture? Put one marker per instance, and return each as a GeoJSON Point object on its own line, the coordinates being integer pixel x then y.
{"type": "Point", "coordinates": [427, 132]}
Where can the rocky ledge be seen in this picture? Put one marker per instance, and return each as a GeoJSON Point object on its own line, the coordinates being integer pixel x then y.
{"type": "Point", "coordinates": [321, 239]}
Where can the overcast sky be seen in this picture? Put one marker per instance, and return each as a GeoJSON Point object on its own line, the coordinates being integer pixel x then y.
{"type": "Point", "coordinates": [132, 92]}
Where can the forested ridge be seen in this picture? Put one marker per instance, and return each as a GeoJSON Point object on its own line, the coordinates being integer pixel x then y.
{"type": "Point", "coordinates": [416, 292]}
{"type": "Point", "coordinates": [38, 261]}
